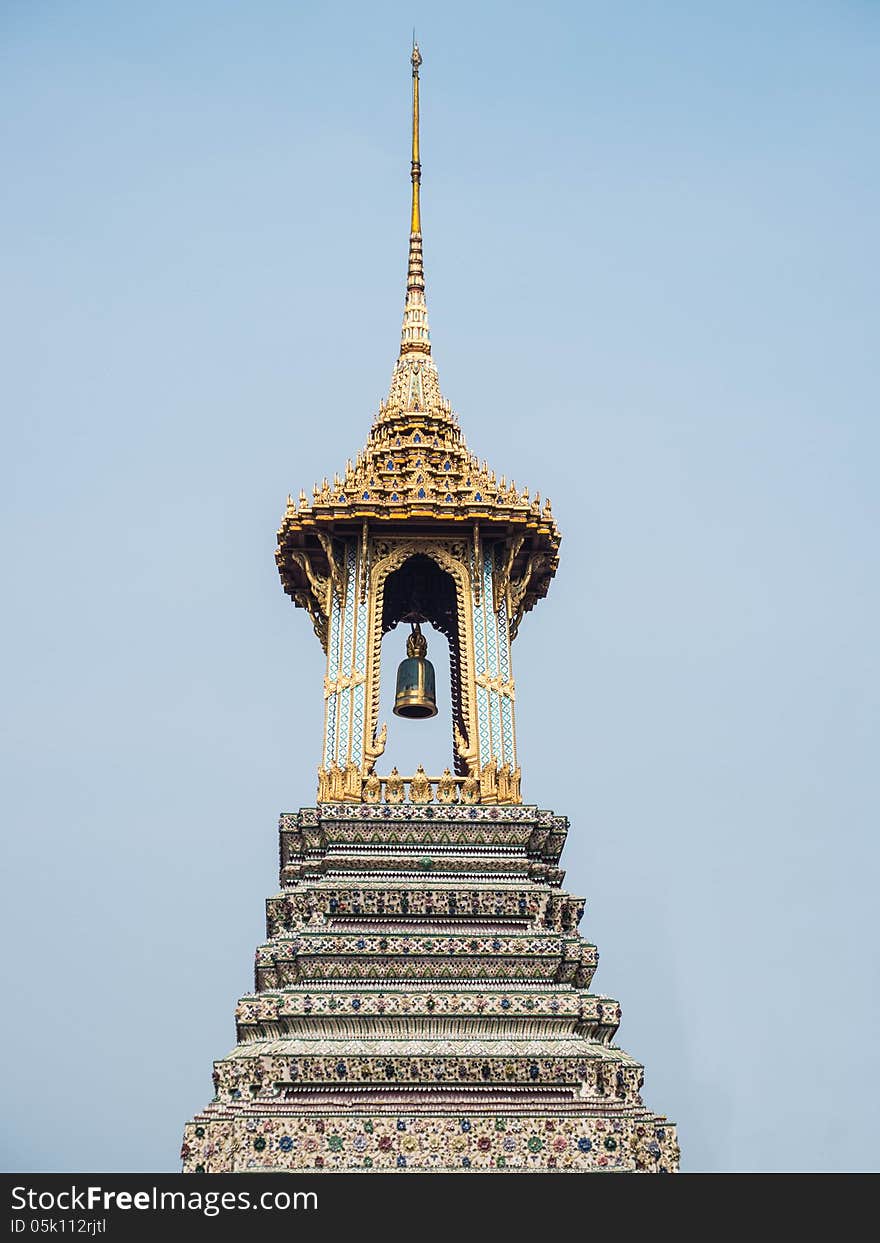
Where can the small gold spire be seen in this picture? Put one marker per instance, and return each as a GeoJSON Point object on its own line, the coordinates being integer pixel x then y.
{"type": "Point", "coordinates": [415, 338]}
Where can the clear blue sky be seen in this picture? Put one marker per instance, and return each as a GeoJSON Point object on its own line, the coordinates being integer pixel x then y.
{"type": "Point", "coordinates": [651, 249]}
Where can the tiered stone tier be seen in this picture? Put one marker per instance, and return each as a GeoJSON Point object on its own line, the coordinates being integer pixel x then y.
{"type": "Point", "coordinates": [422, 1004]}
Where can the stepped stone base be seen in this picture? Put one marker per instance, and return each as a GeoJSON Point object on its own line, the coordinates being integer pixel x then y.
{"type": "Point", "coordinates": [422, 1004]}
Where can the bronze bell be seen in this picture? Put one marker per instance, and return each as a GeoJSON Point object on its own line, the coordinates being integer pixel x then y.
{"type": "Point", "coordinates": [416, 697]}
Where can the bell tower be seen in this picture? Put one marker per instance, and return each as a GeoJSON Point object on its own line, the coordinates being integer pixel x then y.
{"type": "Point", "coordinates": [422, 1000]}
{"type": "Point", "coordinates": [417, 529]}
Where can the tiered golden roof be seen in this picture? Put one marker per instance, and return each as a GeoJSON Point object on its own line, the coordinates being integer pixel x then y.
{"type": "Point", "coordinates": [416, 469]}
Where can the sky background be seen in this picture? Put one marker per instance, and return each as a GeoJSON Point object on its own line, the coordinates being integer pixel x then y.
{"type": "Point", "coordinates": [651, 254]}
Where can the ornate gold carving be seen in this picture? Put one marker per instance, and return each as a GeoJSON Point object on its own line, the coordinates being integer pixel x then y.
{"type": "Point", "coordinates": [477, 566]}
{"type": "Point", "coordinates": [353, 783]}
{"type": "Point", "coordinates": [489, 782]}
{"type": "Point", "coordinates": [447, 789]}
{"type": "Point", "coordinates": [319, 583]}
{"type": "Point", "coordinates": [501, 579]}
{"type": "Point", "coordinates": [347, 785]}
{"type": "Point", "coordinates": [394, 787]}
{"type": "Point", "coordinates": [343, 683]}
{"type": "Point", "coordinates": [337, 574]}
{"type": "Point", "coordinates": [497, 684]}
{"type": "Point", "coordinates": [372, 750]}
{"type": "Point", "coordinates": [323, 785]}
{"type": "Point", "coordinates": [363, 567]}
{"type": "Point", "coordinates": [420, 787]}
{"type": "Point", "coordinates": [470, 790]}
{"type": "Point", "coordinates": [499, 785]}
{"type": "Point", "coordinates": [319, 622]}
{"type": "Point", "coordinates": [469, 754]}
{"type": "Point", "coordinates": [340, 785]}
{"type": "Point", "coordinates": [536, 566]}
{"type": "Point", "coordinates": [518, 589]}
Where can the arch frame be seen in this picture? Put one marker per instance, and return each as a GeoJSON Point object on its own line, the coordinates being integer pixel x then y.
{"type": "Point", "coordinates": [388, 555]}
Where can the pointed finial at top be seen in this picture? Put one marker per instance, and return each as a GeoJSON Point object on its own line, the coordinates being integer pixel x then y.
{"type": "Point", "coordinates": [415, 337]}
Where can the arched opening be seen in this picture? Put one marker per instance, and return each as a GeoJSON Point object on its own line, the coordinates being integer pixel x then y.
{"type": "Point", "coordinates": [424, 742]}
{"type": "Point", "coordinates": [420, 591]}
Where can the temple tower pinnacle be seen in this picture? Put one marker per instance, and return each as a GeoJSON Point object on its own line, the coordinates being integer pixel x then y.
{"type": "Point", "coordinates": [415, 337]}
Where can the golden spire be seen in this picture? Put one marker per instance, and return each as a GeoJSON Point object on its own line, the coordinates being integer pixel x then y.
{"type": "Point", "coordinates": [415, 338]}
{"type": "Point", "coordinates": [416, 60]}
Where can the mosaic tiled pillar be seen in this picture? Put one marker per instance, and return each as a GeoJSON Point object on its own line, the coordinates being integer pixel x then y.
{"type": "Point", "coordinates": [344, 687]}
{"type": "Point", "coordinates": [494, 687]}
{"type": "Point", "coordinates": [344, 683]}
{"type": "Point", "coordinates": [423, 1003]}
